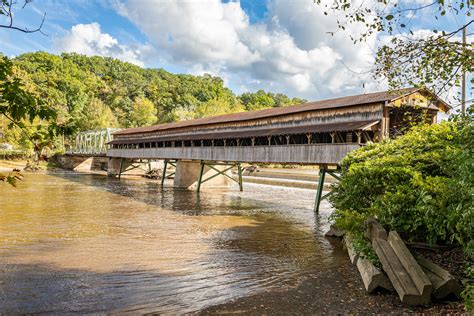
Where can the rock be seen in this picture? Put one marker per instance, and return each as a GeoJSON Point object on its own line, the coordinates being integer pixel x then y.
{"type": "Point", "coordinates": [334, 232]}
{"type": "Point", "coordinates": [372, 277]}
{"type": "Point", "coordinates": [353, 255]}
{"type": "Point", "coordinates": [444, 284]}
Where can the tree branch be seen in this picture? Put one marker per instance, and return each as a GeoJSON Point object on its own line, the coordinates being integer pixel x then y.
{"type": "Point", "coordinates": [9, 14]}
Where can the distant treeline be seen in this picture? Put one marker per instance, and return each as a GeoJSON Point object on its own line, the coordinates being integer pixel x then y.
{"type": "Point", "coordinates": [95, 92]}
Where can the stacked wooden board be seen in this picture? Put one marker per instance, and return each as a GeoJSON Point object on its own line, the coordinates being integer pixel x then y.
{"type": "Point", "coordinates": [416, 280]}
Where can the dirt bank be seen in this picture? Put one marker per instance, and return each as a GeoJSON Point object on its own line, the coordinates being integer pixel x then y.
{"type": "Point", "coordinates": [325, 293]}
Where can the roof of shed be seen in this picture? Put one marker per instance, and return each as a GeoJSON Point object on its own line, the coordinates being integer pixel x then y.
{"type": "Point", "coordinates": [252, 115]}
{"type": "Point", "coordinates": [319, 128]}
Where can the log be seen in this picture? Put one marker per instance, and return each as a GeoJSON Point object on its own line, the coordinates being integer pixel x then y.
{"type": "Point", "coordinates": [401, 278]}
{"type": "Point", "coordinates": [353, 255]}
{"type": "Point", "coordinates": [444, 284]}
{"type": "Point", "coordinates": [372, 277]}
{"type": "Point", "coordinates": [375, 230]}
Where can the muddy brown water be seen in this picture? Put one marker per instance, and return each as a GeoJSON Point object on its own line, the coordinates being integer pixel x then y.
{"type": "Point", "coordinates": [72, 243]}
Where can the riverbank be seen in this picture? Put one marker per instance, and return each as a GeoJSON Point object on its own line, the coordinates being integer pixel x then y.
{"type": "Point", "coordinates": [339, 291]}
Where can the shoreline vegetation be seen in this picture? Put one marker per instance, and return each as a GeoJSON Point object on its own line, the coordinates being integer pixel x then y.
{"type": "Point", "coordinates": [420, 185]}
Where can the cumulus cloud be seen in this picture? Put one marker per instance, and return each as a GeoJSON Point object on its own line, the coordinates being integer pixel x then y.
{"type": "Point", "coordinates": [88, 39]}
{"type": "Point", "coordinates": [288, 51]}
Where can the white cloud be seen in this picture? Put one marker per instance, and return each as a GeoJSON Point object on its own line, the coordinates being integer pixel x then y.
{"type": "Point", "coordinates": [88, 39]}
{"type": "Point", "coordinates": [290, 51]}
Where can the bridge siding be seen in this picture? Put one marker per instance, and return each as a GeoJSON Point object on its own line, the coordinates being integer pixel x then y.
{"type": "Point", "coordinates": [297, 154]}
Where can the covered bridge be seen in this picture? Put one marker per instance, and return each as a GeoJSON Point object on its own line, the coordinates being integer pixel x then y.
{"type": "Point", "coordinates": [320, 132]}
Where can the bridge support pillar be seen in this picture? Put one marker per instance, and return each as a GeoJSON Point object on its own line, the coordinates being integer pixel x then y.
{"type": "Point", "coordinates": [113, 167]}
{"type": "Point", "coordinates": [323, 170]}
{"type": "Point", "coordinates": [118, 166]}
{"type": "Point", "coordinates": [166, 162]}
{"type": "Point", "coordinates": [200, 174]}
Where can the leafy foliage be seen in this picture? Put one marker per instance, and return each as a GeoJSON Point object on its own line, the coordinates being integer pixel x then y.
{"type": "Point", "coordinates": [262, 100]}
{"type": "Point", "coordinates": [21, 107]}
{"type": "Point", "coordinates": [363, 247]}
{"type": "Point", "coordinates": [11, 178]}
{"type": "Point", "coordinates": [419, 184]}
{"type": "Point", "coordinates": [435, 59]}
{"type": "Point", "coordinates": [87, 93]}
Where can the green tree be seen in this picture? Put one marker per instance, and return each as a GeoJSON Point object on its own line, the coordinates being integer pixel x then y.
{"type": "Point", "coordinates": [22, 108]}
{"type": "Point", "coordinates": [217, 107]}
{"type": "Point", "coordinates": [436, 60]}
{"type": "Point", "coordinates": [144, 112]}
{"type": "Point", "coordinates": [97, 115]}
{"type": "Point", "coordinates": [263, 100]}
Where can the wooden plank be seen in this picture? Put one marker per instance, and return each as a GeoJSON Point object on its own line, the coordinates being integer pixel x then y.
{"type": "Point", "coordinates": [353, 255]}
{"type": "Point", "coordinates": [421, 281]}
{"type": "Point", "coordinates": [444, 284]}
{"type": "Point", "coordinates": [401, 280]}
{"type": "Point", "coordinates": [372, 277]}
{"type": "Point", "coordinates": [334, 232]}
{"type": "Point", "coordinates": [375, 230]}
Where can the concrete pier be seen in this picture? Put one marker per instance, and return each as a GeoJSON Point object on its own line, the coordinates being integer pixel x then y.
{"type": "Point", "coordinates": [187, 175]}
{"type": "Point", "coordinates": [113, 167]}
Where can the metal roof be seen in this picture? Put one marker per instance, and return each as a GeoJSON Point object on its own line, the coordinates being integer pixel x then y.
{"type": "Point", "coordinates": [319, 128]}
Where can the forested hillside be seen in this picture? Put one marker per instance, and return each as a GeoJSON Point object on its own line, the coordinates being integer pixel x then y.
{"type": "Point", "coordinates": [95, 92]}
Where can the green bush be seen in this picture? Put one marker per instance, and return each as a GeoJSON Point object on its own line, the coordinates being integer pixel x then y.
{"type": "Point", "coordinates": [13, 154]}
{"type": "Point", "coordinates": [420, 184]}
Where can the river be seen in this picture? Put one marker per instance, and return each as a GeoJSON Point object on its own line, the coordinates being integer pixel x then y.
{"type": "Point", "coordinates": [78, 243]}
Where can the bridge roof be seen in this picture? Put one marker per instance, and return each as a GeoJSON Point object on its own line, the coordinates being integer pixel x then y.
{"type": "Point", "coordinates": [272, 112]}
{"type": "Point", "coordinates": [319, 128]}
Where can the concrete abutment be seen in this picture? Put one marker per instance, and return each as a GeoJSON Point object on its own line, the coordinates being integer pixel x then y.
{"type": "Point", "coordinates": [188, 172]}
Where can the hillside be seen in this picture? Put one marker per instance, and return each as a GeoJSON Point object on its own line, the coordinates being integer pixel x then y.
{"type": "Point", "coordinates": [96, 92]}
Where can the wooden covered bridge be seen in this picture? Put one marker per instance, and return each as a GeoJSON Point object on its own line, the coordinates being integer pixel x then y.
{"type": "Point", "coordinates": [315, 133]}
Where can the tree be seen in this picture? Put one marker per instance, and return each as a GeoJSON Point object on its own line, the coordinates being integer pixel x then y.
{"type": "Point", "coordinates": [435, 59]}
{"type": "Point", "coordinates": [19, 107]}
{"type": "Point", "coordinates": [262, 100]}
{"type": "Point", "coordinates": [97, 115]}
{"type": "Point", "coordinates": [144, 112]}
{"type": "Point", "coordinates": [217, 107]}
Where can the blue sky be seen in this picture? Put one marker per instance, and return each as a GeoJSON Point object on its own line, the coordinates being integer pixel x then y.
{"type": "Point", "coordinates": [275, 45]}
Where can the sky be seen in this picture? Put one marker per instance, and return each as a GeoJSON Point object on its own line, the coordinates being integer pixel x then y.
{"type": "Point", "coordinates": [275, 45]}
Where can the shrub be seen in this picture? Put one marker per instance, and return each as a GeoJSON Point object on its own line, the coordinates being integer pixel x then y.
{"type": "Point", "coordinates": [420, 184]}
{"type": "Point", "coordinates": [13, 154]}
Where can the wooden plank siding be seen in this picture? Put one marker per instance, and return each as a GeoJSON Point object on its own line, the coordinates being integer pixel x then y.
{"type": "Point", "coordinates": [288, 154]}
{"type": "Point", "coordinates": [364, 112]}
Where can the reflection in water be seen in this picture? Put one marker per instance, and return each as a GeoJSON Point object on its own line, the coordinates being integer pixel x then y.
{"type": "Point", "coordinates": [85, 243]}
